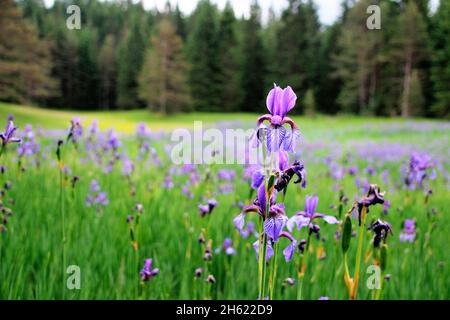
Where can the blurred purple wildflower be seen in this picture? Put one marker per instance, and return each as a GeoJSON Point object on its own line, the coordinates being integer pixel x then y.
{"type": "Point", "coordinates": [147, 272]}
{"type": "Point", "coordinates": [408, 233]}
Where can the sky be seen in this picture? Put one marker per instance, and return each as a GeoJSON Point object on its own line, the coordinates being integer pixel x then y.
{"type": "Point", "coordinates": [328, 10]}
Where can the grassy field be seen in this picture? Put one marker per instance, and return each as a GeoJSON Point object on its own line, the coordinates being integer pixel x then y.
{"type": "Point", "coordinates": [339, 153]}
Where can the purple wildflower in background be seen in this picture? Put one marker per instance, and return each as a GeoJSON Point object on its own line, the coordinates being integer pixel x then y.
{"type": "Point", "coordinates": [226, 174]}
{"type": "Point", "coordinates": [408, 233]}
{"type": "Point", "coordinates": [127, 167]}
{"type": "Point", "coordinates": [75, 130]}
{"type": "Point", "coordinates": [168, 182]}
{"type": "Point", "coordinates": [206, 209]}
{"type": "Point", "coordinates": [8, 135]}
{"type": "Point", "coordinates": [279, 102]}
{"type": "Point", "coordinates": [29, 146]}
{"type": "Point", "coordinates": [353, 171]}
{"type": "Point", "coordinates": [147, 272]}
{"type": "Point", "coordinates": [96, 197]}
{"type": "Point", "coordinates": [305, 218]}
{"type": "Point", "coordinates": [227, 247]}
{"type": "Point", "coordinates": [113, 141]}
{"type": "Point", "coordinates": [142, 131]}
{"type": "Point", "coordinates": [418, 171]}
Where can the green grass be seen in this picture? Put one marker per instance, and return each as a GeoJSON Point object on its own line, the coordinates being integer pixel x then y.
{"type": "Point", "coordinates": [31, 264]}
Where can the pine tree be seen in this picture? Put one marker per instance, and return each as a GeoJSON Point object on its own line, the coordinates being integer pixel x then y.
{"type": "Point", "coordinates": [357, 62]}
{"type": "Point", "coordinates": [179, 23]}
{"type": "Point", "coordinates": [130, 59]}
{"type": "Point", "coordinates": [108, 76]}
{"type": "Point", "coordinates": [162, 82]}
{"type": "Point", "coordinates": [202, 53]}
{"type": "Point", "coordinates": [441, 60]}
{"type": "Point", "coordinates": [298, 47]}
{"type": "Point", "coordinates": [87, 88]}
{"type": "Point", "coordinates": [24, 59]}
{"type": "Point", "coordinates": [328, 87]}
{"type": "Point", "coordinates": [253, 63]}
{"type": "Point", "coordinates": [411, 49]}
{"type": "Point", "coordinates": [227, 56]}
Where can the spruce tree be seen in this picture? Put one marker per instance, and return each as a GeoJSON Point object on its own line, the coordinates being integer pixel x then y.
{"type": "Point", "coordinates": [202, 53]}
{"type": "Point", "coordinates": [441, 60]}
{"type": "Point", "coordinates": [410, 45]}
{"type": "Point", "coordinates": [130, 59]}
{"type": "Point", "coordinates": [227, 56]}
{"type": "Point", "coordinates": [253, 63]}
{"type": "Point", "coordinates": [108, 75]}
{"type": "Point", "coordinates": [162, 81]}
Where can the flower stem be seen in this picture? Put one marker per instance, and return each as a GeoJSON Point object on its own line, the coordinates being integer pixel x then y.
{"type": "Point", "coordinates": [359, 253]}
{"type": "Point", "coordinates": [302, 268]}
{"type": "Point", "coordinates": [273, 271]}
{"type": "Point", "coordinates": [63, 227]}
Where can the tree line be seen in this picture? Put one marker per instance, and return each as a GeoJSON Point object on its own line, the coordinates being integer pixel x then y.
{"type": "Point", "coordinates": [126, 57]}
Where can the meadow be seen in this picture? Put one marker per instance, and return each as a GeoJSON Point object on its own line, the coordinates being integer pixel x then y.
{"type": "Point", "coordinates": [112, 199]}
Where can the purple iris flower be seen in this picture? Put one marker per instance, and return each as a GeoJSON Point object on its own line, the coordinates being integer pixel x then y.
{"type": "Point", "coordinates": [227, 247]}
{"type": "Point", "coordinates": [381, 230]}
{"type": "Point", "coordinates": [8, 135]}
{"type": "Point", "coordinates": [419, 164]}
{"type": "Point", "coordinates": [353, 170]}
{"type": "Point", "coordinates": [93, 129]}
{"type": "Point", "coordinates": [288, 252]}
{"type": "Point", "coordinates": [305, 218]}
{"type": "Point", "coordinates": [279, 102]}
{"type": "Point", "coordinates": [274, 221]}
{"type": "Point", "coordinates": [269, 249]}
{"type": "Point", "coordinates": [94, 187]}
{"type": "Point", "coordinates": [127, 167]}
{"type": "Point", "coordinates": [408, 233]}
{"type": "Point", "coordinates": [282, 164]}
{"type": "Point", "coordinates": [75, 131]}
{"type": "Point", "coordinates": [207, 208]}
{"type": "Point", "coordinates": [113, 141]}
{"type": "Point", "coordinates": [284, 177]}
{"type": "Point", "coordinates": [147, 272]}
{"type": "Point", "coordinates": [168, 182]}
{"type": "Point", "coordinates": [257, 178]}
{"type": "Point", "coordinates": [142, 131]}
{"type": "Point", "coordinates": [96, 197]}
{"type": "Point", "coordinates": [250, 230]}
{"type": "Point", "coordinates": [226, 175]}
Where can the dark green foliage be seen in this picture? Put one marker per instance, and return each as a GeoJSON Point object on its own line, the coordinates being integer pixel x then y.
{"type": "Point", "coordinates": [131, 55]}
{"type": "Point", "coordinates": [202, 54]}
{"type": "Point", "coordinates": [234, 61]}
{"type": "Point", "coordinates": [441, 60]}
{"type": "Point", "coordinates": [253, 63]}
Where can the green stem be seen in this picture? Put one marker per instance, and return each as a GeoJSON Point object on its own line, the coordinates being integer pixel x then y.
{"type": "Point", "coordinates": [63, 231]}
{"type": "Point", "coordinates": [359, 252]}
{"type": "Point", "coordinates": [273, 270]}
{"type": "Point", "coordinates": [302, 267]}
